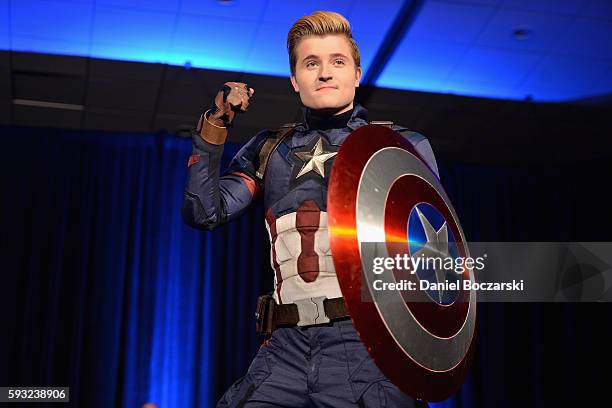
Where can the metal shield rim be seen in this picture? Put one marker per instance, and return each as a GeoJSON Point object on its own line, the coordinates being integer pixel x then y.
{"type": "Point", "coordinates": [342, 195]}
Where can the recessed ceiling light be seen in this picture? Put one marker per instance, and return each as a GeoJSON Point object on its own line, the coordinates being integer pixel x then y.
{"type": "Point", "coordinates": [521, 33]}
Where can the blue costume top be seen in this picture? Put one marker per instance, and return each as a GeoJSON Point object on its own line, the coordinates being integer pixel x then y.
{"type": "Point", "coordinates": [294, 189]}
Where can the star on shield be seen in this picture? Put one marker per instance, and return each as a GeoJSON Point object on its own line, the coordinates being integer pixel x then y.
{"type": "Point", "coordinates": [314, 160]}
{"type": "Point", "coordinates": [436, 245]}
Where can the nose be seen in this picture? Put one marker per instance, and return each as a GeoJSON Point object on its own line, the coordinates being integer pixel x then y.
{"type": "Point", "coordinates": [325, 73]}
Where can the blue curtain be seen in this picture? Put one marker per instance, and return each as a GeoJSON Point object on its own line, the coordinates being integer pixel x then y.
{"type": "Point", "coordinates": [105, 290]}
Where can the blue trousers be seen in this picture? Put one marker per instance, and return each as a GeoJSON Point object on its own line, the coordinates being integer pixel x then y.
{"type": "Point", "coordinates": [315, 366]}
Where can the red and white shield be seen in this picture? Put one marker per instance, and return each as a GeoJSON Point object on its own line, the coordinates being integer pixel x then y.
{"type": "Point", "coordinates": [379, 185]}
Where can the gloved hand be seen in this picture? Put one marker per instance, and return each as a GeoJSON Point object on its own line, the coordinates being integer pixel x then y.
{"type": "Point", "coordinates": [232, 98]}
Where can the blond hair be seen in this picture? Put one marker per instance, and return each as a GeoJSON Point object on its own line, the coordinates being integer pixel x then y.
{"type": "Point", "coordinates": [320, 23]}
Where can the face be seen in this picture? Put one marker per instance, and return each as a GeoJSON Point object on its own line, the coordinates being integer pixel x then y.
{"type": "Point", "coordinates": [325, 73]}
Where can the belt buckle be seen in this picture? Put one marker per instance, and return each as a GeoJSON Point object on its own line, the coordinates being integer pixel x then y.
{"type": "Point", "coordinates": [311, 311]}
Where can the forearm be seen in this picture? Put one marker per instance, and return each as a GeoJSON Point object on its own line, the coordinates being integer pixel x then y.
{"type": "Point", "coordinates": [202, 201]}
{"type": "Point", "coordinates": [210, 199]}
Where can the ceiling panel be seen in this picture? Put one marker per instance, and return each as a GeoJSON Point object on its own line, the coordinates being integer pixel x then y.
{"type": "Point", "coordinates": [51, 20]}
{"type": "Point", "coordinates": [424, 59]}
{"type": "Point", "coordinates": [568, 72]}
{"type": "Point", "coordinates": [589, 37]}
{"type": "Point", "coordinates": [156, 5]}
{"type": "Point", "coordinates": [543, 30]}
{"type": "Point", "coordinates": [123, 26]}
{"type": "Point", "coordinates": [128, 53]}
{"type": "Point", "coordinates": [4, 41]}
{"type": "Point", "coordinates": [268, 52]}
{"type": "Point", "coordinates": [237, 9]}
{"type": "Point", "coordinates": [374, 21]}
{"type": "Point", "coordinates": [451, 22]}
{"type": "Point", "coordinates": [601, 9]}
{"type": "Point", "coordinates": [554, 93]}
{"type": "Point", "coordinates": [4, 17]}
{"type": "Point", "coordinates": [475, 87]}
{"type": "Point", "coordinates": [368, 46]}
{"type": "Point", "coordinates": [567, 7]}
{"type": "Point", "coordinates": [288, 11]}
{"type": "Point", "coordinates": [494, 66]}
{"type": "Point", "coordinates": [46, 46]}
{"type": "Point", "coordinates": [194, 41]}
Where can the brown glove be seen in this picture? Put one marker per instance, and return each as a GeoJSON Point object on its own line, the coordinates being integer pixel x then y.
{"type": "Point", "coordinates": [232, 98]}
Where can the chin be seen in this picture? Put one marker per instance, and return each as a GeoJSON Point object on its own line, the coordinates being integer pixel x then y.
{"type": "Point", "coordinates": [324, 104]}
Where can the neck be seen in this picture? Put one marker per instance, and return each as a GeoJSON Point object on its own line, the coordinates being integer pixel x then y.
{"type": "Point", "coordinates": [329, 112]}
{"type": "Point", "coordinates": [328, 119]}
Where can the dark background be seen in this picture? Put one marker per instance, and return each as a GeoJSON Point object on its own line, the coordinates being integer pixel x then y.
{"type": "Point", "coordinates": [105, 290]}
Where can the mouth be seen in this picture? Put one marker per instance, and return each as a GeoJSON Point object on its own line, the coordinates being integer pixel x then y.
{"type": "Point", "coordinates": [323, 88]}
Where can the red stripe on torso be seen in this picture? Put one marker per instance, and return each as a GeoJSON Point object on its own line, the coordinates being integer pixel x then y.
{"type": "Point", "coordinates": [307, 223]}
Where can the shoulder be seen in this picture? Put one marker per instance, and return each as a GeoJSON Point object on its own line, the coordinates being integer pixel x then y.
{"type": "Point", "coordinates": [421, 145]}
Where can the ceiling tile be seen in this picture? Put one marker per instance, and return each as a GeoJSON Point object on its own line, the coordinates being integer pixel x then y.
{"type": "Point", "coordinates": [158, 5]}
{"type": "Point", "coordinates": [149, 29]}
{"type": "Point", "coordinates": [51, 20]}
{"type": "Point", "coordinates": [4, 17]}
{"type": "Point", "coordinates": [192, 42]}
{"type": "Point", "coordinates": [450, 22]}
{"type": "Point", "coordinates": [484, 89]}
{"type": "Point", "coordinates": [268, 53]}
{"type": "Point", "coordinates": [494, 66]}
{"type": "Point", "coordinates": [237, 9]}
{"type": "Point", "coordinates": [5, 43]}
{"type": "Point", "coordinates": [565, 72]}
{"type": "Point", "coordinates": [290, 11]}
{"type": "Point", "coordinates": [368, 20]}
{"type": "Point", "coordinates": [128, 53]}
{"type": "Point", "coordinates": [399, 80]}
{"type": "Point", "coordinates": [605, 84]}
{"type": "Point", "coordinates": [598, 9]}
{"type": "Point", "coordinates": [567, 7]}
{"type": "Point", "coordinates": [47, 46]}
{"type": "Point", "coordinates": [555, 94]}
{"type": "Point", "coordinates": [368, 46]}
{"type": "Point", "coordinates": [425, 59]}
{"type": "Point", "coordinates": [544, 30]}
{"type": "Point", "coordinates": [588, 37]}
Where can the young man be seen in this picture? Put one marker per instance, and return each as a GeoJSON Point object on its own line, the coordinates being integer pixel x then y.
{"type": "Point", "coordinates": [303, 363]}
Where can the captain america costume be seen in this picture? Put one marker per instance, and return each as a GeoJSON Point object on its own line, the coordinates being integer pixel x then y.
{"type": "Point", "coordinates": [312, 365]}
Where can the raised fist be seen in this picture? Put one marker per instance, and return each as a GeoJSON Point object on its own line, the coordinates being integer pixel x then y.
{"type": "Point", "coordinates": [232, 98]}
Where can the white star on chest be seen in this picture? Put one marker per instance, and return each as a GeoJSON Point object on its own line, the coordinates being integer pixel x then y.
{"type": "Point", "coordinates": [314, 160]}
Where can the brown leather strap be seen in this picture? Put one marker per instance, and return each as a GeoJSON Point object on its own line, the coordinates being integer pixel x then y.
{"type": "Point", "coordinates": [269, 146]}
{"type": "Point", "coordinates": [287, 314]}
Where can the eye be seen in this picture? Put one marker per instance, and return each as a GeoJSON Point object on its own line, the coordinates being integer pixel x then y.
{"type": "Point", "coordinates": [339, 62]}
{"type": "Point", "coordinates": [311, 64]}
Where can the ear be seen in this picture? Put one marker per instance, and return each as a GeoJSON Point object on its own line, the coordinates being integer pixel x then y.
{"type": "Point", "coordinates": [296, 88]}
{"type": "Point", "coordinates": [358, 73]}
